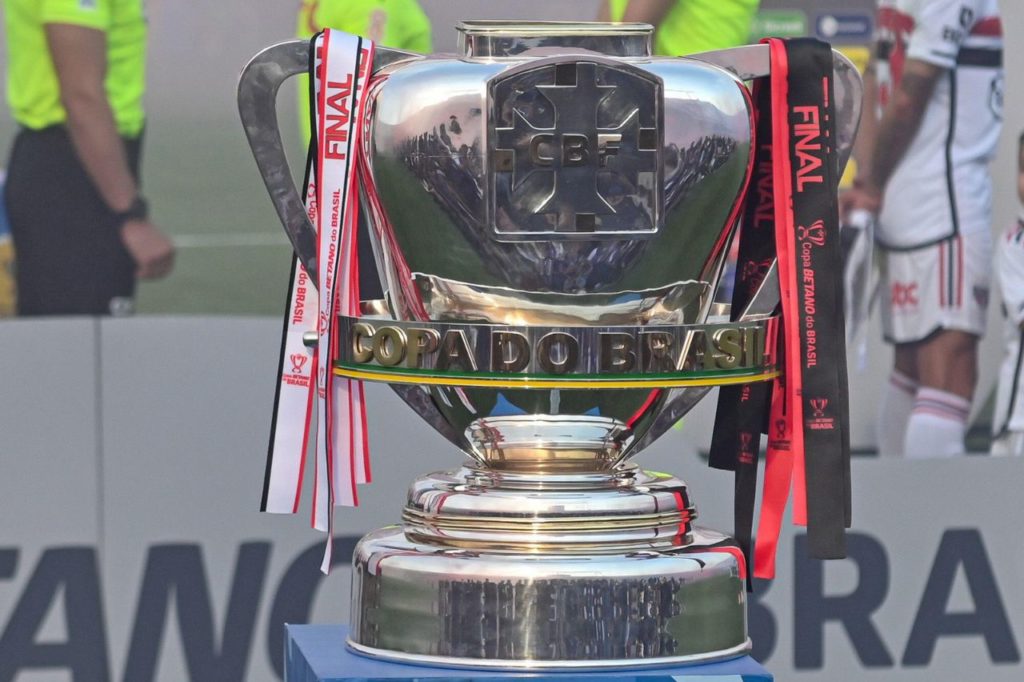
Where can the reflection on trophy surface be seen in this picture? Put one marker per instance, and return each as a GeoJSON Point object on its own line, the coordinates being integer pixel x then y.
{"type": "Point", "coordinates": [552, 213]}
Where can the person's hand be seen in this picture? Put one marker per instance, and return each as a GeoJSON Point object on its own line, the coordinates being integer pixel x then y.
{"type": "Point", "coordinates": [152, 251]}
{"type": "Point", "coordinates": [862, 196]}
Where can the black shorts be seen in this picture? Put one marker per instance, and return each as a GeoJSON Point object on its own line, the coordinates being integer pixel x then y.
{"type": "Point", "coordinates": [69, 258]}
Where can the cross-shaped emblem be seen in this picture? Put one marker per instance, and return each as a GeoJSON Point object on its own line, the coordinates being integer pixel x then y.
{"type": "Point", "coordinates": [577, 156]}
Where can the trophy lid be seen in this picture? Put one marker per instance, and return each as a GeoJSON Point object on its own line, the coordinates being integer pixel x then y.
{"type": "Point", "coordinates": [496, 39]}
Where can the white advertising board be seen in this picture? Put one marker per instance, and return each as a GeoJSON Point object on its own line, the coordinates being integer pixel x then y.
{"type": "Point", "coordinates": [131, 548]}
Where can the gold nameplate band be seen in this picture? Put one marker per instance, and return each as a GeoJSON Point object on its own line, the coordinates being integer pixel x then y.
{"type": "Point", "coordinates": [468, 354]}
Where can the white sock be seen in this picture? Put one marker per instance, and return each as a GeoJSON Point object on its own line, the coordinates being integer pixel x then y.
{"type": "Point", "coordinates": [897, 402]}
{"type": "Point", "coordinates": [937, 425]}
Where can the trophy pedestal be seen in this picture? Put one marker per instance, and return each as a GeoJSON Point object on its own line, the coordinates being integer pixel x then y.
{"type": "Point", "coordinates": [564, 572]}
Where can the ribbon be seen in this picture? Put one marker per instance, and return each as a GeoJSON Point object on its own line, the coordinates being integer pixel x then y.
{"type": "Point", "coordinates": [293, 400]}
{"type": "Point", "coordinates": [736, 440]}
{"type": "Point", "coordinates": [791, 215]}
{"type": "Point", "coordinates": [340, 65]}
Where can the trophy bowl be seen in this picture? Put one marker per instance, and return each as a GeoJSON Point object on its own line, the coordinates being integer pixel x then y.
{"type": "Point", "coordinates": [550, 211]}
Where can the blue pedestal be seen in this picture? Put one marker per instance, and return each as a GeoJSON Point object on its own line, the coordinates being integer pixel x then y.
{"type": "Point", "coordinates": [317, 653]}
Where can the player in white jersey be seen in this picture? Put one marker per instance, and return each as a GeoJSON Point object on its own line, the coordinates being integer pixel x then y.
{"type": "Point", "coordinates": [936, 85]}
{"type": "Point", "coordinates": [1008, 421]}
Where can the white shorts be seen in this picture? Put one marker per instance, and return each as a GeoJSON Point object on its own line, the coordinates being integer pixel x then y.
{"type": "Point", "coordinates": [940, 286]}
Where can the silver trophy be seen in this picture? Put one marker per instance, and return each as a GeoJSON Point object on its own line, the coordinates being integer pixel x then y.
{"type": "Point", "coordinates": [553, 215]}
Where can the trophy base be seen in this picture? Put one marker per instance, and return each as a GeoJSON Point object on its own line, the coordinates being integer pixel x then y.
{"type": "Point", "coordinates": [540, 666]}
{"type": "Point", "coordinates": [571, 572]}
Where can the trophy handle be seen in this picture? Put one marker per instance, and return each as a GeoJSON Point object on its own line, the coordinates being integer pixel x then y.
{"type": "Point", "coordinates": [753, 61]}
{"type": "Point", "coordinates": [258, 86]}
{"type": "Point", "coordinates": [747, 63]}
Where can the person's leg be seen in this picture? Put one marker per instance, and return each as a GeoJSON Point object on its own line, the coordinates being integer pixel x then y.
{"type": "Point", "coordinates": [900, 321]}
{"type": "Point", "coordinates": [70, 259]}
{"type": "Point", "coordinates": [1000, 446]}
{"type": "Point", "coordinates": [897, 402]}
{"type": "Point", "coordinates": [44, 253]}
{"type": "Point", "coordinates": [947, 371]}
{"type": "Point", "coordinates": [1016, 443]}
{"type": "Point", "coordinates": [938, 299]}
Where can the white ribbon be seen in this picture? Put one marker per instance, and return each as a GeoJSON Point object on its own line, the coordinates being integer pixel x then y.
{"type": "Point", "coordinates": [341, 70]}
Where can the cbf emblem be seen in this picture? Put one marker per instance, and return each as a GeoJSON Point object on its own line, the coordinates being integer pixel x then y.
{"type": "Point", "coordinates": [575, 151]}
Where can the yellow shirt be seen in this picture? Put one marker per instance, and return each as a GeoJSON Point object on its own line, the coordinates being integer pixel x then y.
{"type": "Point", "coordinates": [400, 24]}
{"type": "Point", "coordinates": [33, 91]}
{"type": "Point", "coordinates": [392, 23]}
{"type": "Point", "coordinates": [699, 25]}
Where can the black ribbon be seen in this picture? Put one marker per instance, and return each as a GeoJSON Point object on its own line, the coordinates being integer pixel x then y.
{"type": "Point", "coordinates": [817, 261]}
{"type": "Point", "coordinates": [819, 264]}
{"type": "Point", "coordinates": [743, 409]}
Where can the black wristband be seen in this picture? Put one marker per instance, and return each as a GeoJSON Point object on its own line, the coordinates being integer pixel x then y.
{"type": "Point", "coordinates": [139, 210]}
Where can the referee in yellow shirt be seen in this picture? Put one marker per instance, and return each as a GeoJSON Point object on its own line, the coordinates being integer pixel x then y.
{"type": "Point", "coordinates": [81, 228]}
{"type": "Point", "coordinates": [400, 24]}
{"type": "Point", "coordinates": [685, 27]}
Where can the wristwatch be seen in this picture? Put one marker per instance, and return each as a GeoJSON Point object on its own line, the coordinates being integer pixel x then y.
{"type": "Point", "coordinates": [139, 210]}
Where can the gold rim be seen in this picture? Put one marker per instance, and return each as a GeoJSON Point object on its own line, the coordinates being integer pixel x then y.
{"type": "Point", "coordinates": [527, 382]}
